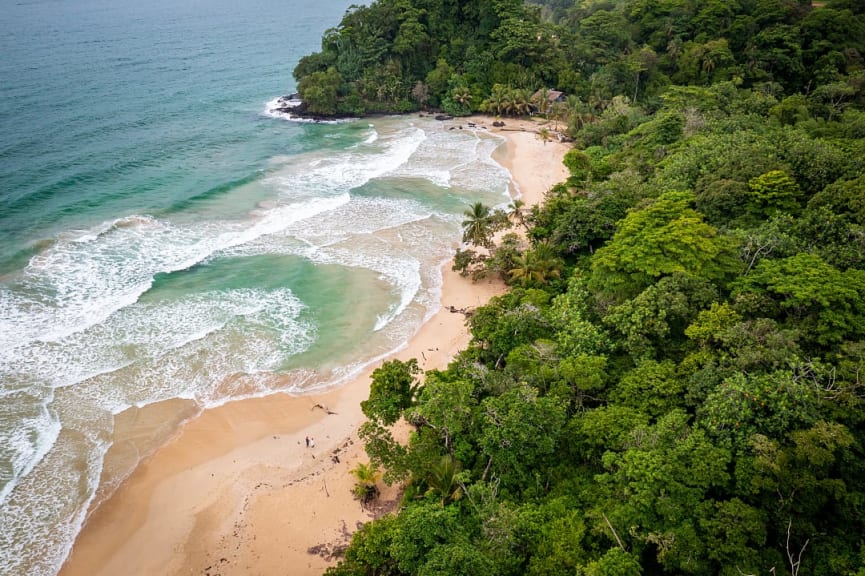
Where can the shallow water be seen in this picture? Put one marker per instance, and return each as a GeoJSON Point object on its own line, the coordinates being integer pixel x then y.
{"type": "Point", "coordinates": [167, 243]}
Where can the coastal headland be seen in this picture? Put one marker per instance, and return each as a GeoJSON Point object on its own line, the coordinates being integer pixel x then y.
{"type": "Point", "coordinates": [238, 491]}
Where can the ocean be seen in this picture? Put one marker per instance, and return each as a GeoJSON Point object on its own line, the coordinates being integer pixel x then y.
{"type": "Point", "coordinates": [168, 243]}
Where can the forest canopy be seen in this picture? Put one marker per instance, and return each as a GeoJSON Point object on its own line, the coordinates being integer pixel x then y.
{"type": "Point", "coordinates": [674, 382]}
{"type": "Point", "coordinates": [493, 55]}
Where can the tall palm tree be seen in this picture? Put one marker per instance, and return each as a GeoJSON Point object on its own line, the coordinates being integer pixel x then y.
{"type": "Point", "coordinates": [442, 480]}
{"type": "Point", "coordinates": [477, 228]}
{"type": "Point", "coordinates": [556, 110]}
{"type": "Point", "coordinates": [516, 213]}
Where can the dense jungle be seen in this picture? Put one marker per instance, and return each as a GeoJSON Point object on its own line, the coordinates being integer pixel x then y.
{"type": "Point", "coordinates": [673, 383]}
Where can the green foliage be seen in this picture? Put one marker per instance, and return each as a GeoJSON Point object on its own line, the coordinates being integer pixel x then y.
{"type": "Point", "coordinates": [614, 562]}
{"type": "Point", "coordinates": [665, 238]}
{"type": "Point", "coordinates": [606, 428]}
{"type": "Point", "coordinates": [420, 530]}
{"type": "Point", "coordinates": [506, 323]}
{"type": "Point", "coordinates": [369, 552]}
{"type": "Point", "coordinates": [773, 192]}
{"type": "Point", "coordinates": [394, 386]}
{"type": "Point", "coordinates": [459, 559]}
{"type": "Point", "coordinates": [384, 451]}
{"type": "Point", "coordinates": [320, 91]}
{"type": "Point", "coordinates": [652, 388]}
{"type": "Point", "coordinates": [655, 485]}
{"type": "Point", "coordinates": [571, 314]}
{"type": "Point", "coordinates": [673, 383]}
{"type": "Point", "coordinates": [442, 480]}
{"type": "Point", "coordinates": [826, 302]}
{"type": "Point", "coordinates": [659, 315]}
{"type": "Point", "coordinates": [365, 488]}
{"type": "Point", "coordinates": [734, 533]}
{"type": "Point", "coordinates": [463, 260]}
{"type": "Point", "coordinates": [771, 404]}
{"type": "Point", "coordinates": [479, 225]}
{"type": "Point", "coordinates": [520, 431]}
{"type": "Point", "coordinates": [536, 267]}
{"type": "Point", "coordinates": [556, 532]}
{"type": "Point", "coordinates": [446, 408]}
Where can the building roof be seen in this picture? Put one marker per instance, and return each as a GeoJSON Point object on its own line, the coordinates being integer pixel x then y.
{"type": "Point", "coordinates": [552, 95]}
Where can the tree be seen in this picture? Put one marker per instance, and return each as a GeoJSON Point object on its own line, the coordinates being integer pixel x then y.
{"type": "Point", "coordinates": [477, 228]}
{"type": "Point", "coordinates": [394, 387]}
{"type": "Point", "coordinates": [771, 404]}
{"type": "Point", "coordinates": [516, 213]}
{"type": "Point", "coordinates": [544, 135]}
{"type": "Point", "coordinates": [664, 238]}
{"type": "Point", "coordinates": [773, 192]}
{"type": "Point", "coordinates": [385, 452]}
{"type": "Point", "coordinates": [442, 480]}
{"type": "Point", "coordinates": [654, 486]}
{"type": "Point", "coordinates": [320, 90]}
{"type": "Point", "coordinates": [639, 62]}
{"type": "Point", "coordinates": [458, 98]}
{"type": "Point", "coordinates": [420, 93]}
{"type": "Point", "coordinates": [365, 489]}
{"type": "Point", "coordinates": [827, 305]}
{"type": "Point", "coordinates": [614, 562]}
{"type": "Point", "coordinates": [520, 431]}
{"type": "Point", "coordinates": [369, 551]}
{"type": "Point", "coordinates": [446, 408]}
{"type": "Point", "coordinates": [421, 530]}
{"type": "Point", "coordinates": [651, 387]}
{"type": "Point", "coordinates": [507, 322]}
{"type": "Point", "coordinates": [655, 320]}
{"type": "Point", "coordinates": [457, 559]}
{"type": "Point", "coordinates": [536, 267]}
{"type": "Point", "coordinates": [579, 165]}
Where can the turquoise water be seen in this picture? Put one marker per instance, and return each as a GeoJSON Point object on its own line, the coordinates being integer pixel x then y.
{"type": "Point", "coordinates": [165, 238]}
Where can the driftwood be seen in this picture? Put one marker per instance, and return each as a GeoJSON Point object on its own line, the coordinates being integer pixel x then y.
{"type": "Point", "coordinates": [464, 311]}
{"type": "Point", "coordinates": [325, 408]}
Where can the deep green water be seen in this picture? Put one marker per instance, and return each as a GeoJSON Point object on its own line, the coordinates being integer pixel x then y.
{"type": "Point", "coordinates": [163, 236]}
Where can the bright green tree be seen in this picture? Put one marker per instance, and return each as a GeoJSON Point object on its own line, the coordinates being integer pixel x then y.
{"type": "Point", "coordinates": [665, 238]}
{"type": "Point", "coordinates": [773, 192]}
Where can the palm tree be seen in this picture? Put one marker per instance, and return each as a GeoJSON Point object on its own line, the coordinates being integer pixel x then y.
{"type": "Point", "coordinates": [537, 266]}
{"type": "Point", "coordinates": [542, 102]}
{"type": "Point", "coordinates": [556, 109]}
{"type": "Point", "coordinates": [442, 480]}
{"type": "Point", "coordinates": [477, 229]}
{"type": "Point", "coordinates": [497, 100]}
{"type": "Point", "coordinates": [522, 102]}
{"type": "Point", "coordinates": [462, 96]}
{"type": "Point", "coordinates": [365, 489]}
{"type": "Point", "coordinates": [544, 135]}
{"type": "Point", "coordinates": [516, 213]}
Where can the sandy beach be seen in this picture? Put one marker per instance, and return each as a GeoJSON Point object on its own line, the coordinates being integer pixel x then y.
{"type": "Point", "coordinates": [237, 491]}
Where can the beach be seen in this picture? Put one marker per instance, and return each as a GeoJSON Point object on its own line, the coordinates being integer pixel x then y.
{"type": "Point", "coordinates": [237, 490]}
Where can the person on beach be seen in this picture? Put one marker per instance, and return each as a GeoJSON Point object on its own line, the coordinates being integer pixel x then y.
{"type": "Point", "coordinates": [307, 441]}
{"type": "Point", "coordinates": [312, 442]}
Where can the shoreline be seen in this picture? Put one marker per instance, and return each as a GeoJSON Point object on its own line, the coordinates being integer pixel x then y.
{"type": "Point", "coordinates": [236, 491]}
